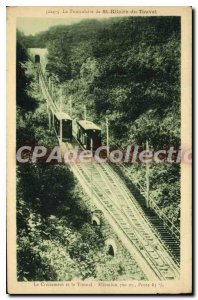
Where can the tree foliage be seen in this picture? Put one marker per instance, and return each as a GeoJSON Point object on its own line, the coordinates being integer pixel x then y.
{"type": "Point", "coordinates": [126, 69]}
{"type": "Point", "coordinates": [55, 238]}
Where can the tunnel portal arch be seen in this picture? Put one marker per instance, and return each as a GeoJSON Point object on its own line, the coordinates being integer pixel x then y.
{"type": "Point", "coordinates": [95, 220]}
{"type": "Point", "coordinates": [111, 247]}
{"type": "Point", "coordinates": [37, 58]}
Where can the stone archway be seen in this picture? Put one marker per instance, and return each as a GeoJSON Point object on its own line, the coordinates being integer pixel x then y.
{"type": "Point", "coordinates": [37, 58]}
{"type": "Point", "coordinates": [111, 247]}
{"type": "Point", "coordinates": [95, 220]}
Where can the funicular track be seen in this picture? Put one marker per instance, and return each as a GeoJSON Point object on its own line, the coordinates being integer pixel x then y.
{"type": "Point", "coordinates": [110, 194]}
{"type": "Point", "coordinates": [163, 227]}
{"type": "Point", "coordinates": [112, 197]}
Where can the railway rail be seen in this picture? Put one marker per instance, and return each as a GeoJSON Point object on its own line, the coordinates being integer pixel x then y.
{"type": "Point", "coordinates": [167, 222]}
{"type": "Point", "coordinates": [45, 92]}
{"type": "Point", "coordinates": [122, 211]}
{"type": "Point", "coordinates": [112, 197]}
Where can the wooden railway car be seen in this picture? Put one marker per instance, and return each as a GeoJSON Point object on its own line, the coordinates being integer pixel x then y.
{"type": "Point", "coordinates": [87, 132]}
{"type": "Point", "coordinates": [66, 125]}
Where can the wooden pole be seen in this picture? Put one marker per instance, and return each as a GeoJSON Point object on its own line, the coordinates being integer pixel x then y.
{"type": "Point", "coordinates": [61, 101]}
{"type": "Point", "coordinates": [61, 131]}
{"type": "Point", "coordinates": [49, 116]}
{"type": "Point", "coordinates": [52, 89]}
{"type": "Point", "coordinates": [47, 107]}
{"type": "Point", "coordinates": [61, 107]}
{"type": "Point", "coordinates": [85, 113]}
{"type": "Point", "coordinates": [92, 147]}
{"type": "Point", "coordinates": [49, 120]}
{"type": "Point", "coordinates": [91, 169]}
{"type": "Point", "coordinates": [107, 133]}
{"type": "Point", "coordinates": [147, 179]}
{"type": "Point", "coordinates": [70, 106]}
{"type": "Point", "coordinates": [53, 119]}
{"type": "Point", "coordinates": [49, 84]}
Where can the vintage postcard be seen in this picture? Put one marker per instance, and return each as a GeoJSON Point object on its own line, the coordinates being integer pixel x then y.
{"type": "Point", "coordinates": [99, 164]}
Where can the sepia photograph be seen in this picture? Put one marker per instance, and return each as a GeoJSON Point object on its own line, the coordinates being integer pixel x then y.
{"type": "Point", "coordinates": [102, 152]}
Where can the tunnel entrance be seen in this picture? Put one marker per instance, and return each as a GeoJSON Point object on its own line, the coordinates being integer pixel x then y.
{"type": "Point", "coordinates": [94, 223]}
{"type": "Point", "coordinates": [110, 251]}
{"type": "Point", "coordinates": [95, 220]}
{"type": "Point", "coordinates": [37, 58]}
{"type": "Point", "coordinates": [111, 248]}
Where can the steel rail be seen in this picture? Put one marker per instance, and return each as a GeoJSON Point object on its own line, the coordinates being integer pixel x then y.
{"type": "Point", "coordinates": [121, 210]}
{"type": "Point", "coordinates": [152, 262]}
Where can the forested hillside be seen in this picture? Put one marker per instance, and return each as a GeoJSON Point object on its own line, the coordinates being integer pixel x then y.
{"type": "Point", "coordinates": [126, 69]}
{"type": "Point", "coordinates": [55, 238]}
